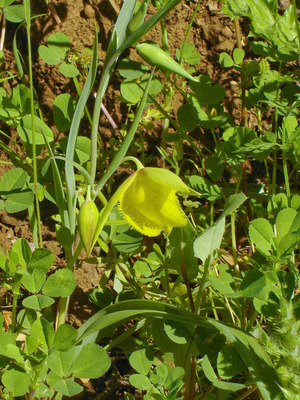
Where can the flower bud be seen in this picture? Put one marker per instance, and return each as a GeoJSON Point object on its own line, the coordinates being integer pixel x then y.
{"type": "Point", "coordinates": [87, 222]}
{"type": "Point", "coordinates": [154, 55]}
{"type": "Point", "coordinates": [138, 18]}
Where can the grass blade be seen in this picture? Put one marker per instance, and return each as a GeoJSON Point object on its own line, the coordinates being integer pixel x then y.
{"type": "Point", "coordinates": [128, 139]}
{"type": "Point", "coordinates": [58, 185]}
{"type": "Point", "coordinates": [251, 352]}
{"type": "Point", "coordinates": [149, 24]}
{"type": "Point", "coordinates": [69, 168]}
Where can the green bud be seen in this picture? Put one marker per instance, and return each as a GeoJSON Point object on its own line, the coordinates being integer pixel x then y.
{"type": "Point", "coordinates": [154, 55]}
{"type": "Point", "coordinates": [138, 18]}
{"type": "Point", "coordinates": [87, 222]}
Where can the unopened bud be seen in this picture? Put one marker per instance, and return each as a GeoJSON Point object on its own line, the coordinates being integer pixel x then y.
{"type": "Point", "coordinates": [154, 55]}
{"type": "Point", "coordinates": [87, 222]}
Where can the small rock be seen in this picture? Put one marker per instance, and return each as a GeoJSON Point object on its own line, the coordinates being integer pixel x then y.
{"type": "Point", "coordinates": [225, 45]}
{"type": "Point", "coordinates": [227, 32]}
{"type": "Point", "coordinates": [213, 6]}
{"type": "Point", "coordinates": [89, 11]}
{"type": "Point", "coordinates": [212, 34]}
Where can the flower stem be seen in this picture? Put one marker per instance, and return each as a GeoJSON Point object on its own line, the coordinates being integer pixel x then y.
{"type": "Point", "coordinates": [274, 174]}
{"type": "Point", "coordinates": [188, 30]}
{"type": "Point", "coordinates": [104, 214]}
{"type": "Point", "coordinates": [199, 297]}
{"type": "Point", "coordinates": [285, 168]}
{"type": "Point", "coordinates": [34, 155]}
{"type": "Point", "coordinates": [286, 176]}
{"type": "Point", "coordinates": [79, 91]}
{"type": "Point", "coordinates": [106, 72]}
{"type": "Point", "coordinates": [64, 301]}
{"type": "Point", "coordinates": [137, 162]}
{"type": "Point", "coordinates": [14, 307]}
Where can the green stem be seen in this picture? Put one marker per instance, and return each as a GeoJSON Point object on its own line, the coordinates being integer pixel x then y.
{"type": "Point", "coordinates": [286, 176]}
{"type": "Point", "coordinates": [237, 33]}
{"type": "Point", "coordinates": [58, 396]}
{"type": "Point", "coordinates": [1, 394]}
{"type": "Point", "coordinates": [190, 393]}
{"type": "Point", "coordinates": [188, 31]}
{"type": "Point", "coordinates": [14, 307]}
{"type": "Point", "coordinates": [232, 224]}
{"type": "Point", "coordinates": [34, 156]}
{"type": "Point", "coordinates": [167, 280]}
{"type": "Point", "coordinates": [79, 91]}
{"type": "Point", "coordinates": [199, 297]}
{"type": "Point", "coordinates": [137, 162]}
{"type": "Point", "coordinates": [104, 214]}
{"type": "Point", "coordinates": [208, 390]}
{"type": "Point", "coordinates": [247, 393]}
{"type": "Point", "coordinates": [211, 212]}
{"type": "Point", "coordinates": [102, 198]}
{"type": "Point", "coordinates": [184, 273]}
{"type": "Point", "coordinates": [252, 320]}
{"type": "Point", "coordinates": [233, 243]}
{"type": "Point", "coordinates": [121, 337]}
{"type": "Point", "coordinates": [116, 161]}
{"type": "Point", "coordinates": [164, 31]}
{"type": "Point", "coordinates": [213, 306]}
{"type": "Point", "coordinates": [214, 136]}
{"type": "Point", "coordinates": [105, 76]}
{"type": "Point", "coordinates": [169, 95]}
{"type": "Point", "coordinates": [274, 173]}
{"type": "Point", "coordinates": [114, 7]}
{"type": "Point", "coordinates": [296, 20]}
{"type": "Point", "coordinates": [268, 179]}
{"type": "Point", "coordinates": [285, 167]}
{"type": "Point", "coordinates": [64, 301]}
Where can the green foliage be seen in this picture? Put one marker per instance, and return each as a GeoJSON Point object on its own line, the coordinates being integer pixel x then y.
{"type": "Point", "coordinates": [16, 192]}
{"type": "Point", "coordinates": [56, 52]}
{"type": "Point", "coordinates": [63, 111]}
{"type": "Point", "coordinates": [283, 42]}
{"type": "Point", "coordinates": [25, 130]}
{"type": "Point", "coordinates": [12, 12]}
{"type": "Point", "coordinates": [211, 308]}
{"type": "Point", "coordinates": [50, 349]}
{"type": "Point", "coordinates": [280, 240]}
{"type": "Point", "coordinates": [188, 54]}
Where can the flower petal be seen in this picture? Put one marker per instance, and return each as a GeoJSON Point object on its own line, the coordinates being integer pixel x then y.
{"type": "Point", "coordinates": [160, 176]}
{"type": "Point", "coordinates": [152, 206]}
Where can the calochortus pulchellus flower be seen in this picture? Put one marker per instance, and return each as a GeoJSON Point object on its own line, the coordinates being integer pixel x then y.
{"type": "Point", "coordinates": [147, 200]}
{"type": "Point", "coordinates": [149, 203]}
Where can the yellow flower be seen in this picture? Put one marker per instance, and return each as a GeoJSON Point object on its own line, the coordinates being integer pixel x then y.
{"type": "Point", "coordinates": [149, 202]}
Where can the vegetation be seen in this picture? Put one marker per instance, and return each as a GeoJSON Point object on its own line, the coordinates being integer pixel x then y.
{"type": "Point", "coordinates": [206, 318]}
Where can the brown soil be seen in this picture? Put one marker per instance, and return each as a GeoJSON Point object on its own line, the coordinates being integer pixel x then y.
{"type": "Point", "coordinates": [211, 33]}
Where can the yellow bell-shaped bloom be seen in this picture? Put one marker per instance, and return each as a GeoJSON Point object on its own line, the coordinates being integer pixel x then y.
{"type": "Point", "coordinates": [149, 202]}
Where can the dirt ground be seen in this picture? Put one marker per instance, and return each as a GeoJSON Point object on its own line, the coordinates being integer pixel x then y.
{"type": "Point", "coordinates": [212, 33]}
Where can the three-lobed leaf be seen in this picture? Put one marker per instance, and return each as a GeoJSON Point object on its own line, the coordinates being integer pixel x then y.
{"type": "Point", "coordinates": [141, 360]}
{"type": "Point", "coordinates": [63, 111]}
{"type": "Point", "coordinates": [57, 46]}
{"type": "Point", "coordinates": [13, 188]}
{"type": "Point", "coordinates": [60, 284]}
{"type": "Point", "coordinates": [37, 302]}
{"type": "Point", "coordinates": [261, 233]}
{"type": "Point", "coordinates": [91, 362]}
{"type": "Point", "coordinates": [16, 381]}
{"type": "Point", "coordinates": [25, 130]}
